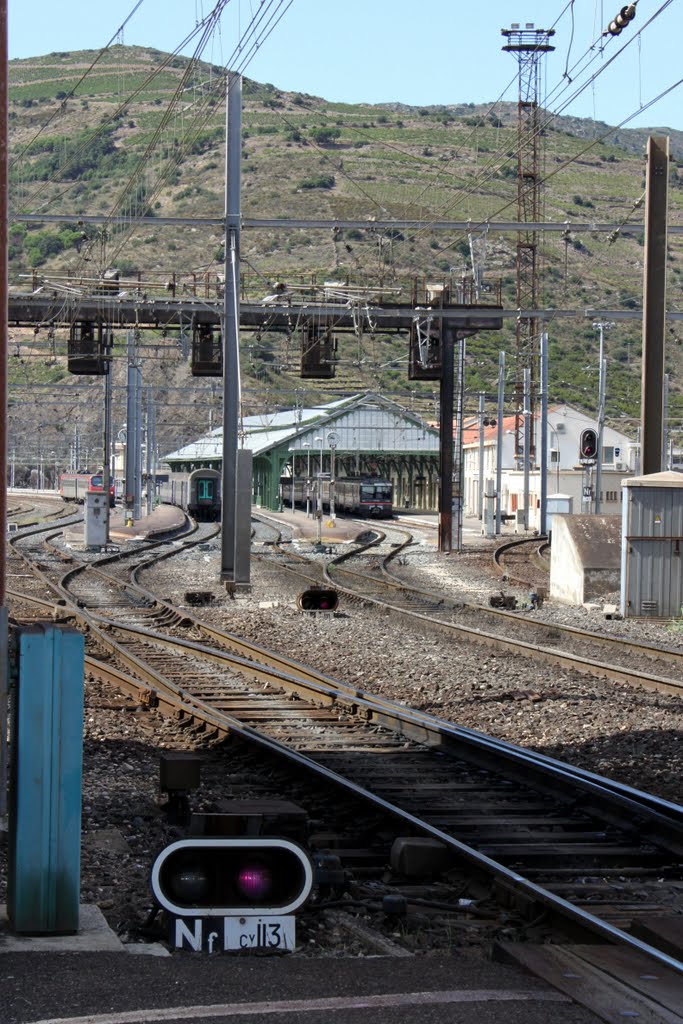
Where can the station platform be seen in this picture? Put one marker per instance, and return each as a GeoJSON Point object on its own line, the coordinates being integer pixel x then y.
{"type": "Point", "coordinates": [345, 531]}
{"type": "Point", "coordinates": [116, 988]}
{"type": "Point", "coordinates": [332, 531]}
{"type": "Point", "coordinates": [164, 517]}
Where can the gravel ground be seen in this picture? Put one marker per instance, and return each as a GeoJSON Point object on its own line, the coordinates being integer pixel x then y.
{"type": "Point", "coordinates": [631, 734]}
{"type": "Point", "coordinates": [628, 733]}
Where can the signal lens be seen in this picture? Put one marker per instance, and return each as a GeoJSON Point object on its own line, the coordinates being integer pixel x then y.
{"type": "Point", "coordinates": [254, 881]}
{"type": "Point", "coordinates": [190, 883]}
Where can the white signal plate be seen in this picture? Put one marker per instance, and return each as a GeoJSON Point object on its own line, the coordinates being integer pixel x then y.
{"type": "Point", "coordinates": [267, 933]}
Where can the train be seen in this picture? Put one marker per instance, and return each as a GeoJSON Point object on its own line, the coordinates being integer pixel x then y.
{"type": "Point", "coordinates": [74, 486]}
{"type": "Point", "coordinates": [359, 496]}
{"type": "Point", "coordinates": [198, 492]}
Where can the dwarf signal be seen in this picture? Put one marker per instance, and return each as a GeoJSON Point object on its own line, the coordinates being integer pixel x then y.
{"type": "Point", "coordinates": [232, 893]}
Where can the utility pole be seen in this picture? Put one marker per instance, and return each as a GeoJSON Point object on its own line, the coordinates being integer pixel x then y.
{"type": "Point", "coordinates": [332, 440]}
{"type": "Point", "coordinates": [480, 502]}
{"type": "Point", "coordinates": [459, 428]}
{"type": "Point", "coordinates": [149, 460]}
{"type": "Point", "coordinates": [231, 323]}
{"type": "Point", "coordinates": [666, 458]}
{"type": "Point", "coordinates": [106, 439]}
{"type": "Point", "coordinates": [527, 443]}
{"type": "Point", "coordinates": [654, 302]}
{"type": "Point", "coordinates": [601, 326]}
{"type": "Point", "coordinates": [499, 440]}
{"type": "Point", "coordinates": [449, 335]}
{"type": "Point", "coordinates": [4, 301]}
{"type": "Point", "coordinates": [133, 411]}
{"type": "Point", "coordinates": [4, 338]}
{"type": "Point", "coordinates": [544, 433]}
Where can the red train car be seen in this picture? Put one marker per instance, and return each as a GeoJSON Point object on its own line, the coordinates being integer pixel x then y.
{"type": "Point", "coordinates": [74, 486]}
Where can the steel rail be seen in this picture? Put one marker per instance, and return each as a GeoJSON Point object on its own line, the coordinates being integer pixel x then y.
{"type": "Point", "coordinates": [602, 639]}
{"type": "Point", "coordinates": [591, 667]}
{"type": "Point", "coordinates": [522, 886]}
{"type": "Point", "coordinates": [575, 662]}
{"type": "Point", "coordinates": [565, 659]}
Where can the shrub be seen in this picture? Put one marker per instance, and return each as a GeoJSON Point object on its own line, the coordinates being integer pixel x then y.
{"type": "Point", "coordinates": [322, 181]}
{"type": "Point", "coordinates": [325, 136]}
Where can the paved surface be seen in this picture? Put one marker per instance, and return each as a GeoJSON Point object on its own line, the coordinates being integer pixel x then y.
{"type": "Point", "coordinates": [117, 988]}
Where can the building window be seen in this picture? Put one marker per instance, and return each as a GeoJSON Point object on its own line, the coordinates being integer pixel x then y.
{"type": "Point", "coordinates": [607, 455]}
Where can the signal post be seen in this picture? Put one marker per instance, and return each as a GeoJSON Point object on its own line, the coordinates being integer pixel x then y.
{"type": "Point", "coordinates": [588, 450]}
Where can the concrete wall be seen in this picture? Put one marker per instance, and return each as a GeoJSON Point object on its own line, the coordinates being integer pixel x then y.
{"type": "Point", "coordinates": [585, 557]}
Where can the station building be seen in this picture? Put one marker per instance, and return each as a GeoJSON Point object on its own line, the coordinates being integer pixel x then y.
{"type": "Point", "coordinates": [369, 435]}
{"type": "Point", "coordinates": [365, 435]}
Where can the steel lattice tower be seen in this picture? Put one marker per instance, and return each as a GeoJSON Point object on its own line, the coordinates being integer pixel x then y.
{"type": "Point", "coordinates": [529, 45]}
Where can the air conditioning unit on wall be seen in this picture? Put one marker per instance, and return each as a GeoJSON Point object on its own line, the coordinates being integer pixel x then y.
{"type": "Point", "coordinates": [621, 467]}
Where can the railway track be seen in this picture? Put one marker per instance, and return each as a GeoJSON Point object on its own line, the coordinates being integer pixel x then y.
{"type": "Point", "coordinates": [551, 838]}
{"type": "Point", "coordinates": [524, 562]}
{"type": "Point", "coordinates": [378, 583]}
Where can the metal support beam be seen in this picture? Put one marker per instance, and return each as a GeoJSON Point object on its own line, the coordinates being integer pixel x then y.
{"type": "Point", "coordinates": [654, 302]}
{"type": "Point", "coordinates": [268, 224]}
{"type": "Point", "coordinates": [449, 335]}
{"type": "Point", "coordinates": [48, 307]}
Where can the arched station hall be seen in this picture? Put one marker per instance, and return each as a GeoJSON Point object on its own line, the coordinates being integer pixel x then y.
{"type": "Point", "coordinates": [368, 435]}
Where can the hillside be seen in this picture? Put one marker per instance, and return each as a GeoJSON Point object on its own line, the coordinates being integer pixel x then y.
{"type": "Point", "coordinates": [143, 133]}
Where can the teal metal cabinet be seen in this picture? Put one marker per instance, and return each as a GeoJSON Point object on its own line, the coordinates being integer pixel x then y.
{"type": "Point", "coordinates": [46, 757]}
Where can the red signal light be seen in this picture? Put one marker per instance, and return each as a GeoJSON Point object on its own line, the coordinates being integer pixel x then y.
{"type": "Point", "coordinates": [588, 444]}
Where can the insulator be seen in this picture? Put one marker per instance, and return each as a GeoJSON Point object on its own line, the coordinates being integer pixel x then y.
{"type": "Point", "coordinates": [622, 19]}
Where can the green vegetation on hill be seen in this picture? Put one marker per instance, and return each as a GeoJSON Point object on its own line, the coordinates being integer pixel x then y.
{"type": "Point", "coordinates": [143, 134]}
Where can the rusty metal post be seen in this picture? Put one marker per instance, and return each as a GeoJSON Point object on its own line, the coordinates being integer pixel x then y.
{"type": "Point", "coordinates": [3, 291]}
{"type": "Point", "coordinates": [654, 303]}
{"type": "Point", "coordinates": [448, 334]}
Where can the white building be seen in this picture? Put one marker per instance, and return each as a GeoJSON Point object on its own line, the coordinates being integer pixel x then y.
{"type": "Point", "coordinates": [565, 473]}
